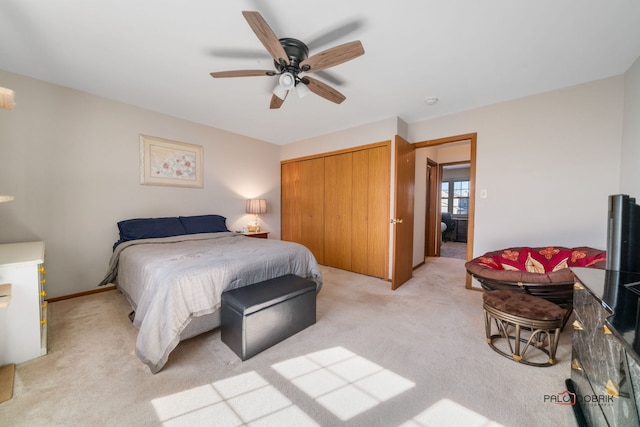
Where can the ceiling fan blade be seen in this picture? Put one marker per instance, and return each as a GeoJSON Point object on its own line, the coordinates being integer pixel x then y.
{"type": "Point", "coordinates": [277, 102]}
{"type": "Point", "coordinates": [323, 90]}
{"type": "Point", "coordinates": [266, 36]}
{"type": "Point", "coordinates": [333, 56]}
{"type": "Point", "coordinates": [242, 73]}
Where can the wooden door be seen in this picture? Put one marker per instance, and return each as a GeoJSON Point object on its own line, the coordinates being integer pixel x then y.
{"type": "Point", "coordinates": [338, 183]}
{"type": "Point", "coordinates": [402, 269]}
{"type": "Point", "coordinates": [311, 197]}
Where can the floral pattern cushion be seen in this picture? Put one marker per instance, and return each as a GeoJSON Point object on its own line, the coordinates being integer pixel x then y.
{"type": "Point", "coordinates": [544, 264]}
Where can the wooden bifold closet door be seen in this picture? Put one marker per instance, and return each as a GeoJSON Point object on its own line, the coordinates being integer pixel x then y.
{"type": "Point", "coordinates": [370, 233]}
{"type": "Point", "coordinates": [338, 190]}
{"type": "Point", "coordinates": [303, 205]}
{"type": "Point", "coordinates": [337, 205]}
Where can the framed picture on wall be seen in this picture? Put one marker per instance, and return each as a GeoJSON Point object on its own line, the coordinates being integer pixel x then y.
{"type": "Point", "coordinates": [166, 162]}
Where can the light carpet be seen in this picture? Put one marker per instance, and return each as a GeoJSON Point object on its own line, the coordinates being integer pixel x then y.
{"type": "Point", "coordinates": [412, 357]}
{"type": "Point", "coordinates": [453, 250]}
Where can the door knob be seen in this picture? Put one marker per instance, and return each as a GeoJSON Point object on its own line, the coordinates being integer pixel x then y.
{"type": "Point", "coordinates": [396, 221]}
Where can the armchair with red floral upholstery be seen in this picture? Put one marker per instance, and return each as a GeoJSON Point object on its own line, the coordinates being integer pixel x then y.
{"type": "Point", "coordinates": [543, 271]}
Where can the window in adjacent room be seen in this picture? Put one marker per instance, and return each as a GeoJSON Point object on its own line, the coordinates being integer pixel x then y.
{"type": "Point", "coordinates": [455, 197]}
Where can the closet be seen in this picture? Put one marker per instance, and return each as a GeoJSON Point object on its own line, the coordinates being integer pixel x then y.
{"type": "Point", "coordinates": [337, 205]}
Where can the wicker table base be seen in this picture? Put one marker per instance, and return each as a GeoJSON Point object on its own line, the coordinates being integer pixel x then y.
{"type": "Point", "coordinates": [517, 324]}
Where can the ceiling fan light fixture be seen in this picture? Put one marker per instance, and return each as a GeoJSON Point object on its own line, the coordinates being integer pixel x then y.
{"type": "Point", "coordinates": [302, 90]}
{"type": "Point", "coordinates": [287, 81]}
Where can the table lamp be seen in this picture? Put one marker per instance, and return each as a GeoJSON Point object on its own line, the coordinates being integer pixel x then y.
{"type": "Point", "coordinates": [256, 207]}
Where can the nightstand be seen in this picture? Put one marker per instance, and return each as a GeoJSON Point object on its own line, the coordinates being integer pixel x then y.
{"type": "Point", "coordinates": [257, 234]}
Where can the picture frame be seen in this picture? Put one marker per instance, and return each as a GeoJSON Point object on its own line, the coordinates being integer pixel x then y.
{"type": "Point", "coordinates": [170, 163]}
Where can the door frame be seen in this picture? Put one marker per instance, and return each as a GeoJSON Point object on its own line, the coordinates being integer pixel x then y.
{"type": "Point", "coordinates": [441, 168]}
{"type": "Point", "coordinates": [432, 231]}
{"type": "Point", "coordinates": [472, 138]}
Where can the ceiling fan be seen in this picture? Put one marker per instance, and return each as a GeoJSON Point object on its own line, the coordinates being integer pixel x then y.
{"type": "Point", "coordinates": [292, 62]}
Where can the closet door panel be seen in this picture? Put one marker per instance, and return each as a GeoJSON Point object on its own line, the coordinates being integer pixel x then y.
{"type": "Point", "coordinates": [338, 193]}
{"type": "Point", "coordinates": [378, 212]}
{"type": "Point", "coordinates": [360, 209]}
{"type": "Point", "coordinates": [290, 192]}
{"type": "Point", "coordinates": [312, 206]}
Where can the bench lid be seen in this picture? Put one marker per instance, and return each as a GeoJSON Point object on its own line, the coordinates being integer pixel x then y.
{"type": "Point", "coordinates": [252, 298]}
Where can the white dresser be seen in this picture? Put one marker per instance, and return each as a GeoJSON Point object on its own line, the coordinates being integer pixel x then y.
{"type": "Point", "coordinates": [23, 323]}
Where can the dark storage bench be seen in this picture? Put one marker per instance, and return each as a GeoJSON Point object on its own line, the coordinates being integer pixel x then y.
{"type": "Point", "coordinates": [258, 316]}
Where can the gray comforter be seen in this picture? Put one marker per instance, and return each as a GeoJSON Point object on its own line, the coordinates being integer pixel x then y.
{"type": "Point", "coordinates": [170, 281]}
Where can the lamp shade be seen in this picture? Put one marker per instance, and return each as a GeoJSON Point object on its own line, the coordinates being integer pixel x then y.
{"type": "Point", "coordinates": [256, 206]}
{"type": "Point", "coordinates": [7, 100]}
{"type": "Point", "coordinates": [302, 90]}
{"type": "Point", "coordinates": [287, 81]}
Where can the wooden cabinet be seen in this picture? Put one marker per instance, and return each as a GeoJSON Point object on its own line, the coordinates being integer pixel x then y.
{"type": "Point", "coordinates": [23, 323]}
{"type": "Point", "coordinates": [338, 206]}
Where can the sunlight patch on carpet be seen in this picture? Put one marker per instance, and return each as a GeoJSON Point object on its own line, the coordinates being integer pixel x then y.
{"type": "Point", "coordinates": [246, 399]}
{"type": "Point", "coordinates": [343, 382]}
{"type": "Point", "coordinates": [446, 413]}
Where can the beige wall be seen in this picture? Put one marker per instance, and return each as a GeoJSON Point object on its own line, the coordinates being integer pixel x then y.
{"type": "Point", "coordinates": [548, 163]}
{"type": "Point", "coordinates": [630, 171]}
{"type": "Point", "coordinates": [72, 162]}
{"type": "Point", "coordinates": [383, 130]}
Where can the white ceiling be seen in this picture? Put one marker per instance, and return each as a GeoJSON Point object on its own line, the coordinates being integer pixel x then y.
{"type": "Point", "coordinates": [157, 54]}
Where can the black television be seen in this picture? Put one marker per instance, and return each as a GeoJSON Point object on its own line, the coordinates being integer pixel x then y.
{"type": "Point", "coordinates": [623, 234]}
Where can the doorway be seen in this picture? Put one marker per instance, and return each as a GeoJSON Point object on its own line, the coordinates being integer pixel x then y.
{"type": "Point", "coordinates": [453, 204]}
{"type": "Point", "coordinates": [432, 225]}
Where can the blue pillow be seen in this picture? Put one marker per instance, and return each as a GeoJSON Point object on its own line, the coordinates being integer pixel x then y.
{"type": "Point", "coordinates": [204, 224]}
{"type": "Point", "coordinates": [148, 228]}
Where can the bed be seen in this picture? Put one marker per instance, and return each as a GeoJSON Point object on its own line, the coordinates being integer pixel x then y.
{"type": "Point", "coordinates": [174, 277]}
